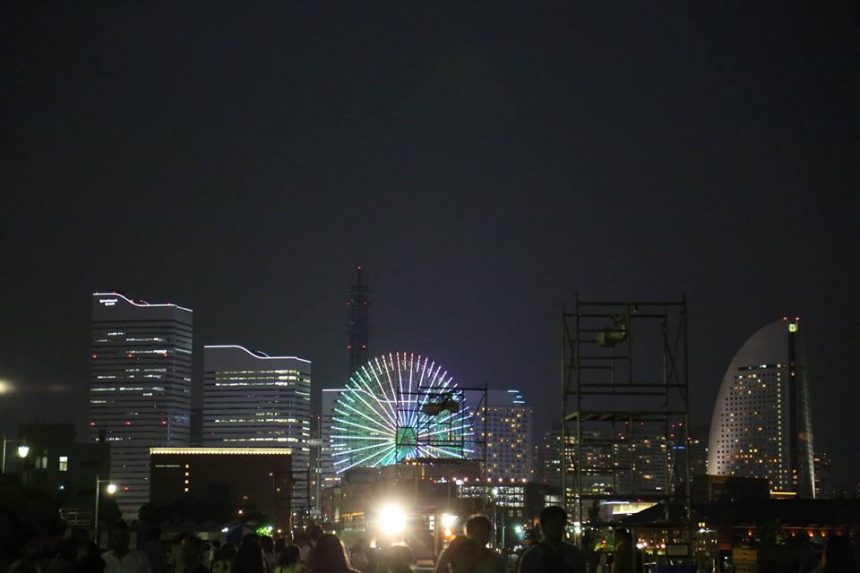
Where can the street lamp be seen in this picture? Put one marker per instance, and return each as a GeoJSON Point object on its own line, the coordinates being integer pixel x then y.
{"type": "Point", "coordinates": [23, 452]}
{"type": "Point", "coordinates": [111, 489]}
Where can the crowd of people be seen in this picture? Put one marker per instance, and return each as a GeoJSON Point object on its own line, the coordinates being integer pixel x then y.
{"type": "Point", "coordinates": [320, 552]}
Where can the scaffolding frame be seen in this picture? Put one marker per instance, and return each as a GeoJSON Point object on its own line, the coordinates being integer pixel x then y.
{"type": "Point", "coordinates": [625, 385]}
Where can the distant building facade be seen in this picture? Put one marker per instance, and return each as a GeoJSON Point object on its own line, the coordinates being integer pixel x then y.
{"type": "Point", "coordinates": [247, 479]}
{"type": "Point", "coordinates": [508, 435]}
{"type": "Point", "coordinates": [59, 465]}
{"type": "Point", "coordinates": [251, 399]}
{"type": "Point", "coordinates": [327, 475]}
{"type": "Point", "coordinates": [549, 457]}
{"type": "Point", "coordinates": [761, 425]}
{"type": "Point", "coordinates": [140, 386]}
{"type": "Point", "coordinates": [824, 486]}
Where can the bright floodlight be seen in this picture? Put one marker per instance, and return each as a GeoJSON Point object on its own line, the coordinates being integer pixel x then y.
{"type": "Point", "coordinates": [5, 387]}
{"type": "Point", "coordinates": [448, 520]}
{"type": "Point", "coordinates": [111, 488]}
{"type": "Point", "coordinates": [392, 520]}
{"type": "Point", "coordinates": [23, 450]}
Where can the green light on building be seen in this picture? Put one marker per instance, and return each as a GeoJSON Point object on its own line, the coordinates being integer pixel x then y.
{"type": "Point", "coordinates": [792, 327]}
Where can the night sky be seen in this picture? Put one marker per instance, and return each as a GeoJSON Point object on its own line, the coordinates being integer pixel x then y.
{"type": "Point", "coordinates": [483, 162]}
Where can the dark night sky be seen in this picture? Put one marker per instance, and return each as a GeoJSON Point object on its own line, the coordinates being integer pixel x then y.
{"type": "Point", "coordinates": [484, 162]}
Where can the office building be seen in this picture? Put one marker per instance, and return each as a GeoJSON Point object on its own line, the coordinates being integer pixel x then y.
{"type": "Point", "coordinates": [327, 475]}
{"type": "Point", "coordinates": [248, 480]}
{"type": "Point", "coordinates": [140, 386]}
{"type": "Point", "coordinates": [251, 399]}
{"type": "Point", "coordinates": [549, 458]}
{"type": "Point", "coordinates": [761, 425]}
{"type": "Point", "coordinates": [508, 435]}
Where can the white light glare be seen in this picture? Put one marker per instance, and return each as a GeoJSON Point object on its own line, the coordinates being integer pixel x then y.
{"type": "Point", "coordinates": [111, 488]}
{"type": "Point", "coordinates": [392, 520]}
{"type": "Point", "coordinates": [448, 520]}
{"type": "Point", "coordinates": [5, 387]}
{"type": "Point", "coordinates": [23, 451]}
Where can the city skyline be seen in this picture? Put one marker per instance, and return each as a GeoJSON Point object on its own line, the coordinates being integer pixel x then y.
{"type": "Point", "coordinates": [200, 378]}
{"type": "Point", "coordinates": [483, 166]}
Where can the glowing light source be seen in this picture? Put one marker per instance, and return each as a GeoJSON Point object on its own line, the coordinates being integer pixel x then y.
{"type": "Point", "coordinates": [23, 450]}
{"type": "Point", "coordinates": [5, 387]}
{"type": "Point", "coordinates": [391, 520]}
{"type": "Point", "coordinates": [111, 488]}
{"type": "Point", "coordinates": [448, 520]}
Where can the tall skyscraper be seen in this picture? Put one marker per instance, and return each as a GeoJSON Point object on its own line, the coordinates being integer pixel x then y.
{"type": "Point", "coordinates": [255, 400]}
{"type": "Point", "coordinates": [509, 435]}
{"type": "Point", "coordinates": [140, 386]}
{"type": "Point", "coordinates": [359, 324]}
{"type": "Point", "coordinates": [762, 426]}
{"type": "Point", "coordinates": [328, 477]}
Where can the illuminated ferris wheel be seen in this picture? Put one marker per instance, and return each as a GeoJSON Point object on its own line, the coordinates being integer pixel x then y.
{"type": "Point", "coordinates": [399, 407]}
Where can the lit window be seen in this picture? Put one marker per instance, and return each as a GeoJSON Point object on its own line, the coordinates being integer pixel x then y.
{"type": "Point", "coordinates": [64, 463]}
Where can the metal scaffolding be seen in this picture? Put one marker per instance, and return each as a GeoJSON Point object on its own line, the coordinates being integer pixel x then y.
{"type": "Point", "coordinates": [625, 406]}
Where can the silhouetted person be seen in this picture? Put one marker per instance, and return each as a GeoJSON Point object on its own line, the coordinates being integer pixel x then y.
{"type": "Point", "coordinates": [812, 558]}
{"type": "Point", "coordinates": [479, 529]}
{"type": "Point", "coordinates": [290, 560]}
{"type": "Point", "coordinates": [190, 553]}
{"type": "Point", "coordinates": [313, 536]}
{"type": "Point", "coordinates": [267, 544]}
{"type": "Point", "coordinates": [838, 556]}
{"type": "Point", "coordinates": [155, 550]}
{"type": "Point", "coordinates": [249, 558]}
{"type": "Point", "coordinates": [223, 560]}
{"type": "Point", "coordinates": [627, 557]}
{"type": "Point", "coordinates": [30, 552]}
{"type": "Point", "coordinates": [64, 560]}
{"type": "Point", "coordinates": [552, 553]}
{"type": "Point", "coordinates": [362, 556]}
{"type": "Point", "coordinates": [119, 558]}
{"type": "Point", "coordinates": [89, 559]}
{"type": "Point", "coordinates": [462, 556]}
{"type": "Point", "coordinates": [329, 556]}
{"type": "Point", "coordinates": [397, 559]}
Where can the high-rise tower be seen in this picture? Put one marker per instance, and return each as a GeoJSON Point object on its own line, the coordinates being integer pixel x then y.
{"type": "Point", "coordinates": [510, 448]}
{"type": "Point", "coordinates": [762, 426]}
{"type": "Point", "coordinates": [251, 399]}
{"type": "Point", "coordinates": [140, 386]}
{"type": "Point", "coordinates": [359, 324]}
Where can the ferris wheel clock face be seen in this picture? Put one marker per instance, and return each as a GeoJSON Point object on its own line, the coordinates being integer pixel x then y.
{"type": "Point", "coordinates": [399, 407]}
